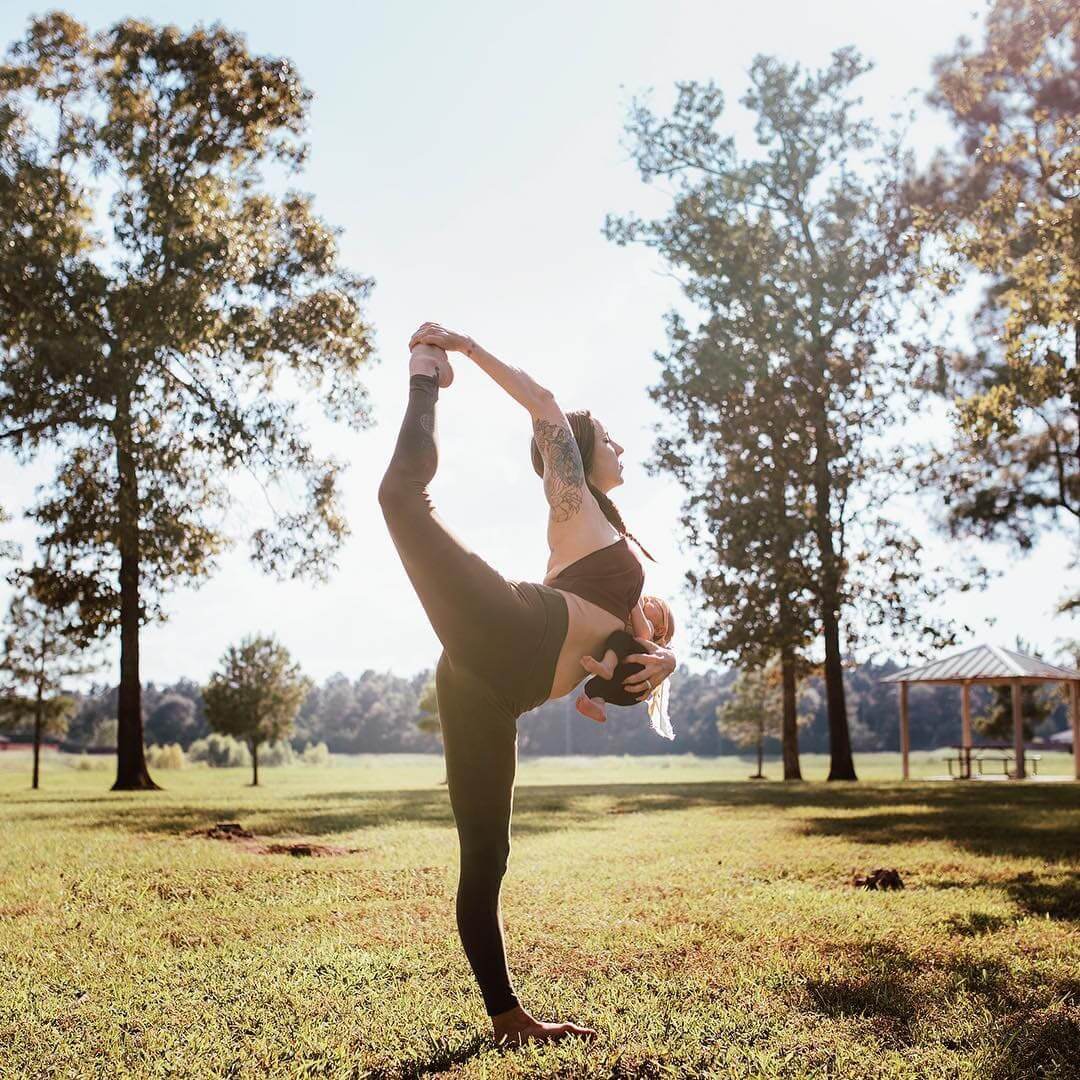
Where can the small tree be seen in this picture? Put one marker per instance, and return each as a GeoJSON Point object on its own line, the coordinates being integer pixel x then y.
{"type": "Point", "coordinates": [755, 710]}
{"type": "Point", "coordinates": [38, 655]}
{"type": "Point", "coordinates": [256, 695]}
{"type": "Point", "coordinates": [428, 720]}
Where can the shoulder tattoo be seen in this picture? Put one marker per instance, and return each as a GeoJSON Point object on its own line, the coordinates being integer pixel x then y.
{"type": "Point", "coordinates": [564, 476]}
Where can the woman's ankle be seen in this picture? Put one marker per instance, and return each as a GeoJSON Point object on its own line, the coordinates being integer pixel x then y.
{"type": "Point", "coordinates": [511, 1018]}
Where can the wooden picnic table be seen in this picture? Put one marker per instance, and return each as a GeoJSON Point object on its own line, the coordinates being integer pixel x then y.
{"type": "Point", "coordinates": [997, 753]}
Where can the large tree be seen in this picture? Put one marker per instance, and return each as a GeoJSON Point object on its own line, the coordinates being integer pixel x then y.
{"type": "Point", "coordinates": [149, 353]}
{"type": "Point", "coordinates": [796, 259]}
{"type": "Point", "coordinates": [256, 694]}
{"type": "Point", "coordinates": [1003, 207]}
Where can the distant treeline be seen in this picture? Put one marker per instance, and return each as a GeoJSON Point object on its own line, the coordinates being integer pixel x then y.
{"type": "Point", "coordinates": [378, 713]}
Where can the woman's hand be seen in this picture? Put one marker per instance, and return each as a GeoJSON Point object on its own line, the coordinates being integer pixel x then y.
{"type": "Point", "coordinates": [658, 662]}
{"type": "Point", "coordinates": [433, 334]}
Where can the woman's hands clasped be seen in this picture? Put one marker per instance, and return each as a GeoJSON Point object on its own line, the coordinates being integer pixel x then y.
{"type": "Point", "coordinates": [433, 334]}
{"type": "Point", "coordinates": [658, 663]}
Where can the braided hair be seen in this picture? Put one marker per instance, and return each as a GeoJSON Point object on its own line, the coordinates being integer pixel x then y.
{"type": "Point", "coordinates": [581, 424]}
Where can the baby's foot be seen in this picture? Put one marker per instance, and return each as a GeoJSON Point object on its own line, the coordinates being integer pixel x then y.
{"type": "Point", "coordinates": [598, 667]}
{"type": "Point", "coordinates": [593, 708]}
{"type": "Point", "coordinates": [431, 360]}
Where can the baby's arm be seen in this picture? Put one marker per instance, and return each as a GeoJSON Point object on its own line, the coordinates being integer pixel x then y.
{"type": "Point", "coordinates": [604, 668]}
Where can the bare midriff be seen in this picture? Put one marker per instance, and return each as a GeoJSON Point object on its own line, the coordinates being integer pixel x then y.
{"type": "Point", "coordinates": [588, 628]}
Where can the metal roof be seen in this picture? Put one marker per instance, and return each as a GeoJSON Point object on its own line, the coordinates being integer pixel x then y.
{"type": "Point", "coordinates": [986, 662]}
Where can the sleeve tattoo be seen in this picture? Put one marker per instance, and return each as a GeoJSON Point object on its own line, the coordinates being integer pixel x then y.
{"type": "Point", "coordinates": [564, 476]}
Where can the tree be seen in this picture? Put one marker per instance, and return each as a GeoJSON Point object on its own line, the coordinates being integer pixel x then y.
{"type": "Point", "coordinates": [1036, 704]}
{"type": "Point", "coordinates": [38, 656]}
{"type": "Point", "coordinates": [752, 713]}
{"type": "Point", "coordinates": [256, 694]}
{"type": "Point", "coordinates": [173, 720]}
{"type": "Point", "coordinates": [1003, 205]}
{"type": "Point", "coordinates": [796, 260]}
{"type": "Point", "coordinates": [755, 710]}
{"type": "Point", "coordinates": [429, 709]}
{"type": "Point", "coordinates": [429, 712]}
{"type": "Point", "coordinates": [156, 377]}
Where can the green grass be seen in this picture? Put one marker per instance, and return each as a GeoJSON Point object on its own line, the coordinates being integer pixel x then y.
{"type": "Point", "coordinates": [705, 926]}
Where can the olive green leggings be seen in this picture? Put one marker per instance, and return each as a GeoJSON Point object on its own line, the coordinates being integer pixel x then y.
{"type": "Point", "coordinates": [501, 640]}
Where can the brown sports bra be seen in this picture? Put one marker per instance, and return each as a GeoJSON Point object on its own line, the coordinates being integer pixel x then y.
{"type": "Point", "coordinates": [610, 577]}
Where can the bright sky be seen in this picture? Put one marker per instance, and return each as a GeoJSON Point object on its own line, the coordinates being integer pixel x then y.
{"type": "Point", "coordinates": [470, 152]}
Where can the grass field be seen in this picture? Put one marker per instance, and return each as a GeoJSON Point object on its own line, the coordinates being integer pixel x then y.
{"type": "Point", "coordinates": [706, 926]}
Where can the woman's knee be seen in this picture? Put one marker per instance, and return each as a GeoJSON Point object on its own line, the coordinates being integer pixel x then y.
{"type": "Point", "coordinates": [401, 495]}
{"type": "Point", "coordinates": [485, 856]}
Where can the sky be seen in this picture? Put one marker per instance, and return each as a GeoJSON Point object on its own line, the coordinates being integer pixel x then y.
{"type": "Point", "coordinates": [469, 153]}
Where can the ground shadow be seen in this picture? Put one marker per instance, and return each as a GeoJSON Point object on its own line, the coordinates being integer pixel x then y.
{"type": "Point", "coordinates": [442, 1057]}
{"type": "Point", "coordinates": [1034, 1031]}
{"type": "Point", "coordinates": [1036, 821]}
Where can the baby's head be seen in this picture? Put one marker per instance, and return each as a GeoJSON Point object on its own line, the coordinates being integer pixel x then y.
{"type": "Point", "coordinates": [659, 614]}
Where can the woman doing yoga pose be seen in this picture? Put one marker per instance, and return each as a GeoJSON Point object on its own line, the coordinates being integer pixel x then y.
{"type": "Point", "coordinates": [508, 646]}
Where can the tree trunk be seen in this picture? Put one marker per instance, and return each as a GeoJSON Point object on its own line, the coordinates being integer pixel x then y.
{"type": "Point", "coordinates": [37, 737]}
{"type": "Point", "coordinates": [790, 727]}
{"type": "Point", "coordinates": [131, 771]}
{"type": "Point", "coordinates": [760, 758]}
{"type": "Point", "coordinates": [841, 766]}
{"type": "Point", "coordinates": [255, 764]}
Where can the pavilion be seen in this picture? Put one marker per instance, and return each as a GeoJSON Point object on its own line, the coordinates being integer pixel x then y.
{"type": "Point", "coordinates": [990, 665]}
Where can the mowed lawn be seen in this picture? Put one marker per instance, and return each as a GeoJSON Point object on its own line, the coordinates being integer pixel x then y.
{"type": "Point", "coordinates": [705, 925]}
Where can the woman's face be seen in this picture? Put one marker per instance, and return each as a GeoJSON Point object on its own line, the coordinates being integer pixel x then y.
{"type": "Point", "coordinates": [605, 472]}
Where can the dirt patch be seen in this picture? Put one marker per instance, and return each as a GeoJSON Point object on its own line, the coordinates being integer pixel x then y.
{"type": "Point", "coordinates": [300, 847]}
{"type": "Point", "coordinates": [225, 830]}
{"type": "Point", "coordinates": [880, 879]}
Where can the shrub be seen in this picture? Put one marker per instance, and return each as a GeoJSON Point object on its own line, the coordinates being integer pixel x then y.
{"type": "Point", "coordinates": [169, 756]}
{"type": "Point", "coordinates": [315, 754]}
{"type": "Point", "coordinates": [220, 752]}
{"type": "Point", "coordinates": [279, 753]}
{"type": "Point", "coordinates": [91, 761]}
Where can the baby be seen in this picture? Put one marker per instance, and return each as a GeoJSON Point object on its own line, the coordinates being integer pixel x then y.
{"type": "Point", "coordinates": [650, 619]}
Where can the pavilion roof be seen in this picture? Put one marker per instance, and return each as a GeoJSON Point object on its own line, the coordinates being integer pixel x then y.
{"type": "Point", "coordinates": [984, 662]}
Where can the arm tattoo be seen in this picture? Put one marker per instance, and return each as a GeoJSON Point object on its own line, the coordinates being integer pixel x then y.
{"type": "Point", "coordinates": [564, 475]}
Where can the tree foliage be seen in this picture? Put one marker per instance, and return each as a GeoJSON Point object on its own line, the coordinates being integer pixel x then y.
{"type": "Point", "coordinates": [1004, 207]}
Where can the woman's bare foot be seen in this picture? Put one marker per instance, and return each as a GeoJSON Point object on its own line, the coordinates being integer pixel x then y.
{"type": "Point", "coordinates": [593, 708]}
{"type": "Point", "coordinates": [431, 360]}
{"type": "Point", "coordinates": [516, 1027]}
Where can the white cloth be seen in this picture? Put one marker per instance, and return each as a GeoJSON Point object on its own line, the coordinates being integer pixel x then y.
{"type": "Point", "coordinates": [658, 710]}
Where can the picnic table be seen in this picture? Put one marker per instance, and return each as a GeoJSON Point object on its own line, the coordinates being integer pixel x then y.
{"type": "Point", "coordinates": [1001, 754]}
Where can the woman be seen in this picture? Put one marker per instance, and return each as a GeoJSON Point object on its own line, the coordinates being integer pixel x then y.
{"type": "Point", "coordinates": [508, 646]}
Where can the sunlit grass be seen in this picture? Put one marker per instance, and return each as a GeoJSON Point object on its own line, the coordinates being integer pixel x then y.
{"type": "Point", "coordinates": [703, 924]}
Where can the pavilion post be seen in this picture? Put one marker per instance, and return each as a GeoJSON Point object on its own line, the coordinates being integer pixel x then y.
{"type": "Point", "coordinates": [965, 731]}
{"type": "Point", "coordinates": [1074, 716]}
{"type": "Point", "coordinates": [904, 741]}
{"type": "Point", "coordinates": [1018, 730]}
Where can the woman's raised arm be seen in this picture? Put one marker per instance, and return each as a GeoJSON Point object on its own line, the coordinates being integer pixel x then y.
{"type": "Point", "coordinates": [521, 386]}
